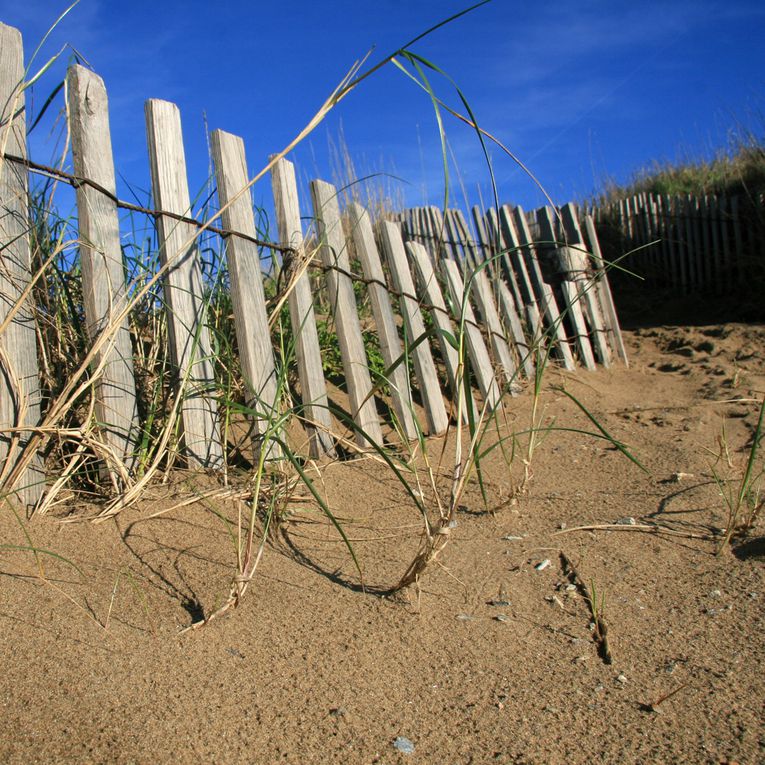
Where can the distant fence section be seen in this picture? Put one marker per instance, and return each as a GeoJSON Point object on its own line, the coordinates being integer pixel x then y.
{"type": "Point", "coordinates": [543, 290]}
{"type": "Point", "coordinates": [687, 244]}
{"type": "Point", "coordinates": [519, 291]}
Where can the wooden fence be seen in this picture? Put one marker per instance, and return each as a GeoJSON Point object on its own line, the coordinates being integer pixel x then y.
{"type": "Point", "coordinates": [686, 244]}
{"type": "Point", "coordinates": [517, 298]}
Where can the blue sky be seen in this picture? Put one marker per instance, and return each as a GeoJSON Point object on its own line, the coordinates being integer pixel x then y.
{"type": "Point", "coordinates": [581, 92]}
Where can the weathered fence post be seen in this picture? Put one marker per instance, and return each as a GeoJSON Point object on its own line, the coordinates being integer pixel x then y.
{"type": "Point", "coordinates": [586, 285]}
{"type": "Point", "coordinates": [390, 343]}
{"type": "Point", "coordinates": [103, 273]}
{"type": "Point", "coordinates": [487, 308]}
{"type": "Point", "coordinates": [19, 375]}
{"type": "Point", "coordinates": [416, 339]}
{"type": "Point", "coordinates": [313, 388]}
{"type": "Point", "coordinates": [604, 290]}
{"type": "Point", "coordinates": [479, 356]}
{"type": "Point", "coordinates": [334, 256]}
{"type": "Point", "coordinates": [512, 311]}
{"type": "Point", "coordinates": [247, 296]}
{"type": "Point", "coordinates": [568, 288]}
{"type": "Point", "coordinates": [184, 292]}
{"type": "Point", "coordinates": [520, 235]}
{"type": "Point", "coordinates": [439, 314]}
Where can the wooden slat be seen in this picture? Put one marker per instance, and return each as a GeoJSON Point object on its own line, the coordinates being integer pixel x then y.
{"type": "Point", "coordinates": [663, 234]}
{"type": "Point", "coordinates": [184, 293]}
{"type": "Point", "coordinates": [313, 388]}
{"type": "Point", "coordinates": [427, 237]}
{"type": "Point", "coordinates": [484, 246]}
{"type": "Point", "coordinates": [571, 299]}
{"type": "Point", "coordinates": [19, 380]}
{"type": "Point", "coordinates": [424, 368]}
{"type": "Point", "coordinates": [479, 356]}
{"type": "Point", "coordinates": [698, 242]}
{"type": "Point", "coordinates": [518, 230]}
{"type": "Point", "coordinates": [690, 243]}
{"type": "Point", "coordinates": [738, 240]}
{"type": "Point", "coordinates": [705, 243]}
{"type": "Point", "coordinates": [670, 241]}
{"type": "Point", "coordinates": [253, 335]}
{"type": "Point", "coordinates": [585, 284]}
{"type": "Point", "coordinates": [454, 245]}
{"type": "Point", "coordinates": [509, 309]}
{"type": "Point", "coordinates": [725, 238]}
{"type": "Point", "coordinates": [604, 290]}
{"type": "Point", "coordinates": [438, 232]}
{"type": "Point", "coordinates": [334, 256]}
{"type": "Point", "coordinates": [531, 257]}
{"type": "Point", "coordinates": [549, 306]}
{"type": "Point", "coordinates": [439, 313]}
{"type": "Point", "coordinates": [517, 261]}
{"type": "Point", "coordinates": [683, 227]}
{"type": "Point", "coordinates": [501, 256]}
{"type": "Point", "coordinates": [487, 306]}
{"type": "Point", "coordinates": [484, 300]}
{"type": "Point", "coordinates": [390, 343]}
{"type": "Point", "coordinates": [713, 213]}
{"type": "Point", "coordinates": [526, 346]}
{"type": "Point", "coordinates": [103, 271]}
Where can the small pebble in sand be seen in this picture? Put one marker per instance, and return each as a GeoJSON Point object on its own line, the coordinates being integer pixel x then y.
{"type": "Point", "coordinates": [543, 565]}
{"type": "Point", "coordinates": [404, 745]}
{"type": "Point", "coordinates": [501, 618]}
{"type": "Point", "coordinates": [621, 678]}
{"type": "Point", "coordinates": [715, 594]}
{"type": "Point", "coordinates": [464, 617]}
{"type": "Point", "coordinates": [511, 538]}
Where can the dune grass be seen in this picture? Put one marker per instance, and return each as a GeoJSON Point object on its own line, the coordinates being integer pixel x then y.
{"type": "Point", "coordinates": [737, 169]}
{"type": "Point", "coordinates": [261, 472]}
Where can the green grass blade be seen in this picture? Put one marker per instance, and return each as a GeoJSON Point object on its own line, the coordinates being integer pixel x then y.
{"type": "Point", "coordinates": [617, 444]}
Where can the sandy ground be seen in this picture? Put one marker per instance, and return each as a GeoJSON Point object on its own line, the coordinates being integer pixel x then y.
{"type": "Point", "coordinates": [492, 659]}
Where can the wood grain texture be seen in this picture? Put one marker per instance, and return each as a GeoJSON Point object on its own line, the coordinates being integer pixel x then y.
{"type": "Point", "coordinates": [516, 255]}
{"type": "Point", "coordinates": [604, 289]}
{"type": "Point", "coordinates": [586, 285]}
{"type": "Point", "coordinates": [184, 293]}
{"type": "Point", "coordinates": [103, 270]}
{"type": "Point", "coordinates": [387, 332]}
{"type": "Point", "coordinates": [525, 341]}
{"type": "Point", "coordinates": [480, 287]}
{"type": "Point", "coordinates": [430, 288]}
{"type": "Point", "coordinates": [313, 387]}
{"type": "Point", "coordinates": [500, 254]}
{"type": "Point", "coordinates": [485, 251]}
{"type": "Point", "coordinates": [424, 368]}
{"type": "Point", "coordinates": [19, 375]}
{"type": "Point", "coordinates": [479, 356]}
{"type": "Point", "coordinates": [247, 296]}
{"type": "Point", "coordinates": [530, 255]}
{"type": "Point", "coordinates": [572, 302]}
{"type": "Point", "coordinates": [334, 256]}
{"type": "Point", "coordinates": [550, 310]}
